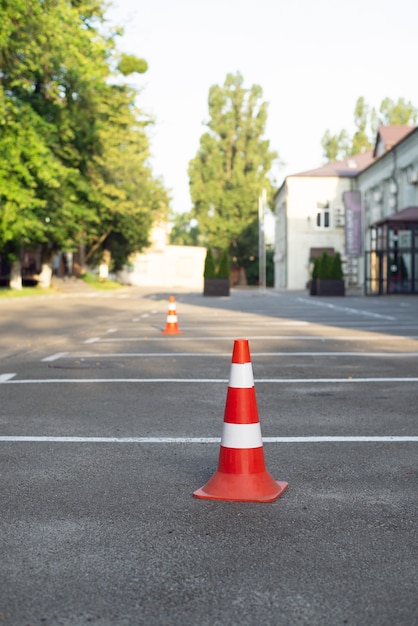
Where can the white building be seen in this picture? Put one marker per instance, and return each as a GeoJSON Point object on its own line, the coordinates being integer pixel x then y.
{"type": "Point", "coordinates": [335, 208]}
{"type": "Point", "coordinates": [389, 195]}
{"type": "Point", "coordinates": [165, 265]}
{"type": "Point", "coordinates": [310, 218]}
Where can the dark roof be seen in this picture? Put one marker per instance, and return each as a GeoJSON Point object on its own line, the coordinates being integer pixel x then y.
{"type": "Point", "coordinates": [408, 215]}
{"type": "Point", "coordinates": [349, 167]}
{"type": "Point", "coordinates": [391, 135]}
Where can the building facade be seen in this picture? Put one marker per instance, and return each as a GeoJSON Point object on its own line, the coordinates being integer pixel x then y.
{"type": "Point", "coordinates": [389, 192]}
{"type": "Point", "coordinates": [337, 207]}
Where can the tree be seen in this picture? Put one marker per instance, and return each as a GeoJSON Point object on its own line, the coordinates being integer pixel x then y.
{"type": "Point", "coordinates": [325, 266]}
{"type": "Point", "coordinates": [360, 141]}
{"type": "Point", "coordinates": [209, 270]}
{"type": "Point", "coordinates": [184, 231]}
{"type": "Point", "coordinates": [73, 152]}
{"type": "Point", "coordinates": [337, 269]}
{"type": "Point", "coordinates": [335, 146]}
{"type": "Point", "coordinates": [366, 121]}
{"type": "Point", "coordinates": [232, 165]}
{"type": "Point", "coordinates": [396, 113]}
{"type": "Point", "coordinates": [223, 267]}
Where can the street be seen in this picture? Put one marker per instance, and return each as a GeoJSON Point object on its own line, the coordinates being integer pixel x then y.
{"type": "Point", "coordinates": [108, 426]}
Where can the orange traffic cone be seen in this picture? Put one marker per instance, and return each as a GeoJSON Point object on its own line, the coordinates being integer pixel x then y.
{"type": "Point", "coordinates": [171, 327]}
{"type": "Point", "coordinates": [241, 473]}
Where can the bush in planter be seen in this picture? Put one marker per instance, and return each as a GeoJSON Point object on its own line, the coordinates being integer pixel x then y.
{"type": "Point", "coordinates": [216, 282]}
{"type": "Point", "coordinates": [223, 269]}
{"type": "Point", "coordinates": [314, 276]}
{"type": "Point", "coordinates": [209, 270]}
{"type": "Point", "coordinates": [325, 266]}
{"type": "Point", "coordinates": [330, 280]}
{"type": "Point", "coordinates": [336, 267]}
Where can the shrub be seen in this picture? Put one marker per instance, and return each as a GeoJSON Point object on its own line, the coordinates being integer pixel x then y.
{"type": "Point", "coordinates": [325, 269]}
{"type": "Point", "coordinates": [328, 267]}
{"type": "Point", "coordinates": [315, 269]}
{"type": "Point", "coordinates": [336, 267]}
{"type": "Point", "coordinates": [223, 269]}
{"type": "Point", "coordinates": [209, 269]}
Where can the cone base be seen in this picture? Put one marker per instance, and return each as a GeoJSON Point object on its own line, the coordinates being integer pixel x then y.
{"type": "Point", "coordinates": [259, 487]}
{"type": "Point", "coordinates": [171, 331]}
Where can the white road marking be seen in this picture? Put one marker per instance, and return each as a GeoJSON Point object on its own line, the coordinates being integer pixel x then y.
{"type": "Point", "coordinates": [180, 338]}
{"type": "Point", "coordinates": [5, 377]}
{"type": "Point", "coordinates": [347, 309]}
{"type": "Point", "coordinates": [228, 354]}
{"type": "Point", "coordinates": [351, 380]}
{"type": "Point", "coordinates": [312, 439]}
{"type": "Point", "coordinates": [55, 357]}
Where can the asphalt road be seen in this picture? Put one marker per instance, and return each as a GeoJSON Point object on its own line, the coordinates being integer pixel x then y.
{"type": "Point", "coordinates": [108, 426]}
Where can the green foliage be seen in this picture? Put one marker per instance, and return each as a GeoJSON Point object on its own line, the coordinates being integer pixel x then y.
{"type": "Point", "coordinates": [397, 113]}
{"type": "Point", "coordinates": [328, 267]}
{"type": "Point", "coordinates": [269, 267]}
{"type": "Point", "coordinates": [223, 268]}
{"type": "Point", "coordinates": [245, 248]}
{"type": "Point", "coordinates": [252, 270]}
{"type": "Point", "coordinates": [209, 270]}
{"type": "Point", "coordinates": [334, 146]}
{"type": "Point", "coordinates": [6, 292]}
{"type": "Point", "coordinates": [129, 63]}
{"type": "Point", "coordinates": [315, 269]}
{"type": "Point", "coordinates": [325, 266]}
{"type": "Point", "coordinates": [337, 268]}
{"type": "Point", "coordinates": [233, 163]}
{"type": "Point", "coordinates": [184, 231]}
{"type": "Point", "coordinates": [366, 120]}
{"type": "Point", "coordinates": [73, 152]}
{"type": "Point", "coordinates": [100, 283]}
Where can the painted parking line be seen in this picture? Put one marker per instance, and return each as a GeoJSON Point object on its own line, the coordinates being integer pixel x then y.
{"type": "Point", "coordinates": [286, 381]}
{"type": "Point", "coordinates": [132, 355]}
{"type": "Point", "coordinates": [5, 377]}
{"type": "Point", "coordinates": [314, 439]}
{"type": "Point", "coordinates": [346, 309]}
{"type": "Point", "coordinates": [55, 357]}
{"type": "Point", "coordinates": [180, 338]}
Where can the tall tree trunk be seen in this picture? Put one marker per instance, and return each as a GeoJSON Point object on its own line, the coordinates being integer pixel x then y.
{"type": "Point", "coordinates": [45, 275]}
{"type": "Point", "coordinates": [96, 245]}
{"type": "Point", "coordinates": [104, 265]}
{"type": "Point", "coordinates": [16, 276]}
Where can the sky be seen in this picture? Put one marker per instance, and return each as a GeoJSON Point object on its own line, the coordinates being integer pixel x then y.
{"type": "Point", "coordinates": [312, 59]}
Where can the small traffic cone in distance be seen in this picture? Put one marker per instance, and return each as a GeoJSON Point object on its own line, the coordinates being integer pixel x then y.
{"type": "Point", "coordinates": [171, 327]}
{"type": "Point", "coordinates": [241, 473]}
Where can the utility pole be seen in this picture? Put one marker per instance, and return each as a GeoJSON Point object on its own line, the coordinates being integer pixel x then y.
{"type": "Point", "coordinates": [261, 242]}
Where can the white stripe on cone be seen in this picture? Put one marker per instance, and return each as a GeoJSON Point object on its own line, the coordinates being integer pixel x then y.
{"type": "Point", "coordinates": [172, 306]}
{"type": "Point", "coordinates": [241, 435]}
{"type": "Point", "coordinates": [171, 319]}
{"type": "Point", "coordinates": [241, 375]}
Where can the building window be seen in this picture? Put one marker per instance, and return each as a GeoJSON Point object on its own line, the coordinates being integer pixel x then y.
{"type": "Point", "coordinates": [323, 215]}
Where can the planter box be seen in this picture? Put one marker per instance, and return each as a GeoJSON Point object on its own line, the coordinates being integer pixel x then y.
{"type": "Point", "coordinates": [330, 287]}
{"type": "Point", "coordinates": [216, 287]}
{"type": "Point", "coordinates": [312, 287]}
